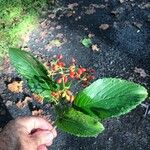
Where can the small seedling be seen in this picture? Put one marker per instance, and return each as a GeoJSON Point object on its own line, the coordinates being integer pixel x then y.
{"type": "Point", "coordinates": [87, 42]}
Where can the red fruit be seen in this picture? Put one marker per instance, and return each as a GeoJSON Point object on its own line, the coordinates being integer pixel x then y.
{"type": "Point", "coordinates": [61, 64]}
{"type": "Point", "coordinates": [83, 69]}
{"type": "Point", "coordinates": [59, 80]}
{"type": "Point", "coordinates": [55, 67]}
{"type": "Point", "coordinates": [60, 56]}
{"type": "Point", "coordinates": [65, 79]}
{"type": "Point", "coordinates": [72, 74]}
{"type": "Point", "coordinates": [53, 94]}
{"type": "Point", "coordinates": [80, 71]}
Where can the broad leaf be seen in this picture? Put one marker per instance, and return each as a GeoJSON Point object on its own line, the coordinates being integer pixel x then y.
{"type": "Point", "coordinates": [34, 71]}
{"type": "Point", "coordinates": [79, 124]}
{"type": "Point", "coordinates": [110, 97]}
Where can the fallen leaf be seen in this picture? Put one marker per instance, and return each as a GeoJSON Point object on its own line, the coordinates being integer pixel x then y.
{"type": "Point", "coordinates": [141, 71]}
{"type": "Point", "coordinates": [21, 104]}
{"type": "Point", "coordinates": [56, 42]}
{"type": "Point", "coordinates": [104, 26]}
{"type": "Point", "coordinates": [87, 42]}
{"type": "Point", "coordinates": [95, 47]}
{"type": "Point", "coordinates": [16, 86]}
{"type": "Point", "coordinates": [38, 98]}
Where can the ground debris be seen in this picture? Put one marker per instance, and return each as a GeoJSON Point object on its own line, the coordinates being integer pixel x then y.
{"type": "Point", "coordinates": [137, 24]}
{"type": "Point", "coordinates": [95, 47]}
{"type": "Point", "coordinates": [23, 103]}
{"type": "Point", "coordinates": [9, 103]}
{"type": "Point", "coordinates": [104, 26]}
{"type": "Point", "coordinates": [71, 6]}
{"type": "Point", "coordinates": [91, 35]}
{"type": "Point", "coordinates": [141, 71]}
{"type": "Point", "coordinates": [90, 10]}
{"type": "Point", "coordinates": [56, 42]}
{"type": "Point", "coordinates": [144, 5]}
{"type": "Point", "coordinates": [16, 86]}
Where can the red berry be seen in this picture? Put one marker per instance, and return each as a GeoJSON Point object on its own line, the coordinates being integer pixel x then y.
{"type": "Point", "coordinates": [53, 94]}
{"type": "Point", "coordinates": [65, 79]}
{"type": "Point", "coordinates": [80, 71]}
{"type": "Point", "coordinates": [59, 80]}
{"type": "Point", "coordinates": [72, 74]}
{"type": "Point", "coordinates": [61, 64]}
{"type": "Point", "coordinates": [83, 69]}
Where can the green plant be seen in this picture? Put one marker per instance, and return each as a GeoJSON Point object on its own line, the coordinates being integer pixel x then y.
{"type": "Point", "coordinates": [82, 114]}
{"type": "Point", "coordinates": [87, 42]}
{"type": "Point", "coordinates": [17, 18]}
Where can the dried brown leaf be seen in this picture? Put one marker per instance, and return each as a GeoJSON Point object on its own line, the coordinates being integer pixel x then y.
{"type": "Point", "coordinates": [21, 104]}
{"type": "Point", "coordinates": [16, 86]}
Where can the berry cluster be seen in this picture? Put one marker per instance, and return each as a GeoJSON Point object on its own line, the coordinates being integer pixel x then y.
{"type": "Point", "coordinates": [64, 76]}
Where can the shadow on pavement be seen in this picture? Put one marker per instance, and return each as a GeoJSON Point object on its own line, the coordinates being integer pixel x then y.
{"type": "Point", "coordinates": [5, 116]}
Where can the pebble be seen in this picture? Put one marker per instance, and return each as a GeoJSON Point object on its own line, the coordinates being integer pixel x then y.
{"type": "Point", "coordinates": [8, 103]}
{"type": "Point", "coordinates": [104, 26]}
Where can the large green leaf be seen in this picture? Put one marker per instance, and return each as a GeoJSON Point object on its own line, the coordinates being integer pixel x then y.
{"type": "Point", "coordinates": [34, 71]}
{"type": "Point", "coordinates": [79, 124]}
{"type": "Point", "coordinates": [110, 97]}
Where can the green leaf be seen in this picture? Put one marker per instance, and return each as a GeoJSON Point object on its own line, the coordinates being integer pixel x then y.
{"type": "Point", "coordinates": [79, 124]}
{"type": "Point", "coordinates": [34, 71]}
{"type": "Point", "coordinates": [86, 42]}
{"type": "Point", "coordinates": [110, 97]}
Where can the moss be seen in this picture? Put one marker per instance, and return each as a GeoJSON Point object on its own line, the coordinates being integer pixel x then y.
{"type": "Point", "coordinates": [17, 17]}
